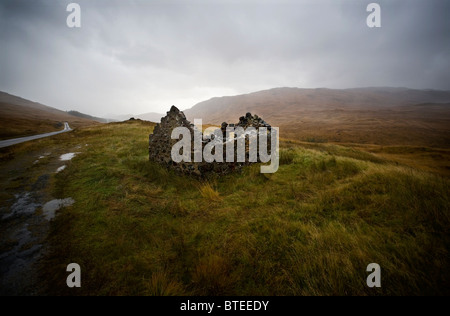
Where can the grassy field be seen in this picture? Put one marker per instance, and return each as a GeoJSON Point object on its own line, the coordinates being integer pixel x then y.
{"type": "Point", "coordinates": [309, 229]}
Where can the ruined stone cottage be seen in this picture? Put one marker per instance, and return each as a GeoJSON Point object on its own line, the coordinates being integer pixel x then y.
{"type": "Point", "coordinates": [161, 143]}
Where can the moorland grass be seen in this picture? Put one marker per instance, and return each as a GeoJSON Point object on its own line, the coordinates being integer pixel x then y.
{"type": "Point", "coordinates": [309, 229]}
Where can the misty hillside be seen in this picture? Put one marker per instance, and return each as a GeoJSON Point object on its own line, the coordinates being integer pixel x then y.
{"type": "Point", "coordinates": [152, 117]}
{"type": "Point", "coordinates": [280, 102]}
{"type": "Point", "coordinates": [364, 115]}
{"type": "Point", "coordinates": [20, 117]}
{"type": "Point", "coordinates": [21, 103]}
{"type": "Point", "coordinates": [89, 117]}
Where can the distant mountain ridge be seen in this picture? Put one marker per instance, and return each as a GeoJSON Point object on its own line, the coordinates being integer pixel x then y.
{"type": "Point", "coordinates": [152, 117]}
{"type": "Point", "coordinates": [89, 117]}
{"type": "Point", "coordinates": [278, 102]}
{"type": "Point", "coordinates": [360, 115]}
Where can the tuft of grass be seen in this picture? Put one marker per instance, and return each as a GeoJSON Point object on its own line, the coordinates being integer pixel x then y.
{"type": "Point", "coordinates": [287, 156]}
{"type": "Point", "coordinates": [161, 285]}
{"type": "Point", "coordinates": [208, 192]}
{"type": "Point", "coordinates": [212, 276]}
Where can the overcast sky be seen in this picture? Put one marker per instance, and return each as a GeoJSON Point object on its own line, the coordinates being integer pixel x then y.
{"type": "Point", "coordinates": [143, 56]}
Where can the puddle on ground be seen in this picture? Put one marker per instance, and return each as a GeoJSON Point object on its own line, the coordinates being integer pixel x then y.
{"type": "Point", "coordinates": [24, 205]}
{"type": "Point", "coordinates": [67, 157]}
{"type": "Point", "coordinates": [16, 264]}
{"type": "Point", "coordinates": [50, 208]}
{"type": "Point", "coordinates": [24, 228]}
{"type": "Point", "coordinates": [60, 169]}
{"type": "Point", "coordinates": [21, 237]}
{"type": "Point", "coordinates": [41, 157]}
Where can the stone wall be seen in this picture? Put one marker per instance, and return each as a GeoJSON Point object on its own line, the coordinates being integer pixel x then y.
{"type": "Point", "coordinates": [160, 144]}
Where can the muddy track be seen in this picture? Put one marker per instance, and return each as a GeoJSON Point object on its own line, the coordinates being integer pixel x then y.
{"type": "Point", "coordinates": [26, 211]}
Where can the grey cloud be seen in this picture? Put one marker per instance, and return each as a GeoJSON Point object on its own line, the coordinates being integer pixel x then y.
{"type": "Point", "coordinates": [143, 56]}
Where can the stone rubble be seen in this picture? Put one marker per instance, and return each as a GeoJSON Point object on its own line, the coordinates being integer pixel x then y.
{"type": "Point", "coordinates": [160, 144]}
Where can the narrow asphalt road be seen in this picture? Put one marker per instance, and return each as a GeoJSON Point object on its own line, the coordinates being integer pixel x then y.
{"type": "Point", "coordinates": [15, 141]}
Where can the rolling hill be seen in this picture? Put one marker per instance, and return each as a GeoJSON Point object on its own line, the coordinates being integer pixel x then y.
{"type": "Point", "coordinates": [20, 117]}
{"type": "Point", "coordinates": [89, 117]}
{"type": "Point", "coordinates": [382, 116]}
{"type": "Point", "coordinates": [151, 117]}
